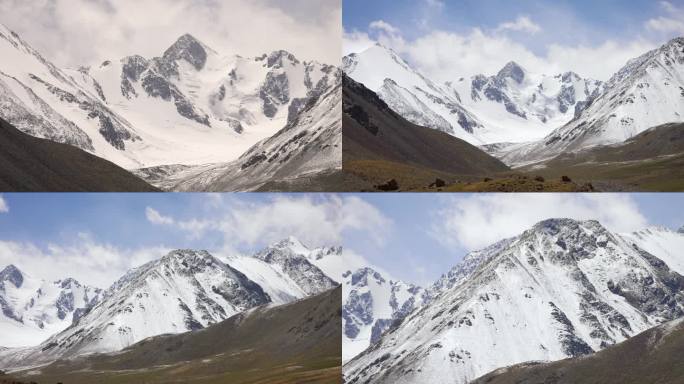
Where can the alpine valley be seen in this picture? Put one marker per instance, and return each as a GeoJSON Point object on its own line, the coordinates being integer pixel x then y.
{"type": "Point", "coordinates": [186, 292]}
{"type": "Point", "coordinates": [562, 291]}
{"type": "Point", "coordinates": [190, 119]}
{"type": "Point", "coordinates": [542, 126]}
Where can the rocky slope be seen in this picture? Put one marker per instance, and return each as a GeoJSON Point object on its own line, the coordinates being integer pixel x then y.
{"type": "Point", "coordinates": [34, 309]}
{"type": "Point", "coordinates": [185, 290]}
{"type": "Point", "coordinates": [647, 92]}
{"type": "Point", "coordinates": [510, 106]}
{"type": "Point", "coordinates": [650, 357]}
{"type": "Point", "coordinates": [371, 303]}
{"type": "Point", "coordinates": [309, 145]}
{"type": "Point", "coordinates": [294, 343]}
{"type": "Point", "coordinates": [563, 288]}
{"type": "Point", "coordinates": [190, 105]}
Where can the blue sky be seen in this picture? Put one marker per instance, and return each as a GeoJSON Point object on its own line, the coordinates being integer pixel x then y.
{"type": "Point", "coordinates": [612, 30]}
{"type": "Point", "coordinates": [414, 237]}
{"type": "Point", "coordinates": [431, 233]}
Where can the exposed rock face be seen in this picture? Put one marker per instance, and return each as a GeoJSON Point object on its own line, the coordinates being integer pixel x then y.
{"type": "Point", "coordinates": [563, 288]}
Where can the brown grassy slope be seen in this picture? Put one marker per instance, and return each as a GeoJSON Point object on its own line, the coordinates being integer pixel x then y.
{"type": "Point", "coordinates": [654, 356]}
{"type": "Point", "coordinates": [29, 164]}
{"type": "Point", "coordinates": [296, 343]}
{"type": "Point", "coordinates": [650, 161]}
{"type": "Point", "coordinates": [371, 131]}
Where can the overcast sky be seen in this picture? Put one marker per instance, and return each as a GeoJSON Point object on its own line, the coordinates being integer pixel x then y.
{"type": "Point", "coordinates": [86, 32]}
{"type": "Point", "coordinates": [447, 39]}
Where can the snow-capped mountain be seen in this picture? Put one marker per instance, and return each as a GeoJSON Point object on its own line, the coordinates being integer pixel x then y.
{"type": "Point", "coordinates": [662, 242]}
{"type": "Point", "coordinates": [34, 309]}
{"type": "Point", "coordinates": [563, 288]}
{"type": "Point", "coordinates": [511, 106]}
{"type": "Point", "coordinates": [412, 95]}
{"type": "Point", "coordinates": [184, 291]}
{"type": "Point", "coordinates": [371, 304]}
{"type": "Point", "coordinates": [309, 145]}
{"type": "Point", "coordinates": [517, 105]}
{"type": "Point", "coordinates": [647, 92]}
{"type": "Point", "coordinates": [292, 258]}
{"type": "Point", "coordinates": [191, 105]}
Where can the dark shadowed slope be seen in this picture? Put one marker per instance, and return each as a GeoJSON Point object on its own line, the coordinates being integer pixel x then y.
{"type": "Point", "coordinates": [299, 342]}
{"type": "Point", "coordinates": [375, 136]}
{"type": "Point", "coordinates": [29, 164]}
{"type": "Point", "coordinates": [653, 356]}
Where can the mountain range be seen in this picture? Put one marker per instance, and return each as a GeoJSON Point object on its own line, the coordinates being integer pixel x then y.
{"type": "Point", "coordinates": [561, 289]}
{"type": "Point", "coordinates": [186, 290]}
{"type": "Point", "coordinates": [298, 342]}
{"type": "Point", "coordinates": [526, 118]}
{"type": "Point", "coordinates": [189, 107]}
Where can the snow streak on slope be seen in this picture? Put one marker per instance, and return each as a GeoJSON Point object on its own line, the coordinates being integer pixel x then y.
{"type": "Point", "coordinates": [44, 101]}
{"type": "Point", "coordinates": [648, 91]}
{"type": "Point", "coordinates": [371, 304]}
{"type": "Point", "coordinates": [664, 243]}
{"type": "Point", "coordinates": [561, 289]}
{"type": "Point", "coordinates": [412, 95]}
{"type": "Point", "coordinates": [34, 309]}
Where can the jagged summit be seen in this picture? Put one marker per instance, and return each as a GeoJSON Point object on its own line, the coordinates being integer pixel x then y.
{"type": "Point", "coordinates": [12, 274]}
{"type": "Point", "coordinates": [187, 47]}
{"type": "Point", "coordinates": [278, 59]}
{"type": "Point", "coordinates": [512, 70]}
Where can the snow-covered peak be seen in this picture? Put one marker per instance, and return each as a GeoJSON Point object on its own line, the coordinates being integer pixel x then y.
{"type": "Point", "coordinates": [188, 48]}
{"type": "Point", "coordinates": [292, 243]}
{"type": "Point", "coordinates": [371, 304]}
{"type": "Point", "coordinates": [562, 288]}
{"type": "Point", "coordinates": [512, 70]}
{"type": "Point", "coordinates": [293, 259]}
{"type": "Point", "coordinates": [278, 59]}
{"type": "Point", "coordinates": [645, 93]}
{"type": "Point", "coordinates": [13, 275]}
{"type": "Point", "coordinates": [681, 230]}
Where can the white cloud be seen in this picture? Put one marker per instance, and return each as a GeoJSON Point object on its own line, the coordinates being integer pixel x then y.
{"type": "Point", "coordinates": [673, 21]}
{"type": "Point", "coordinates": [154, 217]}
{"type": "Point", "coordinates": [383, 26]}
{"type": "Point", "coordinates": [355, 42]}
{"type": "Point", "coordinates": [521, 24]}
{"type": "Point", "coordinates": [86, 32]}
{"type": "Point", "coordinates": [477, 221]}
{"type": "Point", "coordinates": [86, 260]}
{"type": "Point", "coordinates": [4, 208]}
{"type": "Point", "coordinates": [317, 221]}
{"type": "Point", "coordinates": [447, 56]}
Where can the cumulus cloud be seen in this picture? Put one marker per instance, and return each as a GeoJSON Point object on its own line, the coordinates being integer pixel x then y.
{"type": "Point", "coordinates": [477, 221]}
{"type": "Point", "coordinates": [446, 55]}
{"type": "Point", "coordinates": [4, 208]}
{"type": "Point", "coordinates": [86, 32]}
{"type": "Point", "coordinates": [355, 42]}
{"type": "Point", "coordinates": [154, 217]}
{"type": "Point", "coordinates": [383, 26]}
{"type": "Point", "coordinates": [85, 259]}
{"type": "Point", "coordinates": [521, 24]}
{"type": "Point", "coordinates": [317, 221]}
{"type": "Point", "coordinates": [672, 21]}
